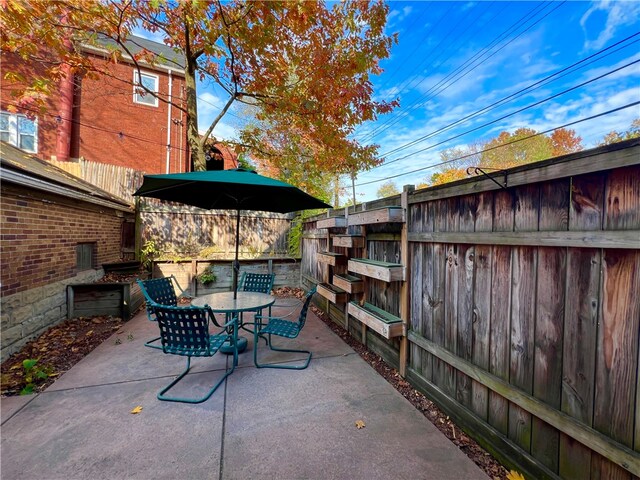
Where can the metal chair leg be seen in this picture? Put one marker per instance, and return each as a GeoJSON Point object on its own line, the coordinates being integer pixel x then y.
{"type": "Point", "coordinates": [161, 395]}
{"type": "Point", "coordinates": [148, 344]}
{"type": "Point", "coordinates": [284, 367]}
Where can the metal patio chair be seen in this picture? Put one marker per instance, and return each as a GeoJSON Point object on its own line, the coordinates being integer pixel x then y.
{"type": "Point", "coordinates": [184, 331]}
{"type": "Point", "coordinates": [282, 328]}
{"type": "Point", "coordinates": [256, 282]}
{"type": "Point", "coordinates": [160, 291]}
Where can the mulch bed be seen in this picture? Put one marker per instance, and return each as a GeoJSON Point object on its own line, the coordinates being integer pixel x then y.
{"type": "Point", "coordinates": [57, 350]}
{"type": "Point", "coordinates": [64, 345]}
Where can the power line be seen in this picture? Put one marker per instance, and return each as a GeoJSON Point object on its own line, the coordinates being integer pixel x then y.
{"type": "Point", "coordinates": [484, 51]}
{"type": "Point", "coordinates": [519, 93]}
{"type": "Point", "coordinates": [510, 114]}
{"type": "Point", "coordinates": [119, 133]}
{"type": "Point", "coordinates": [629, 105]}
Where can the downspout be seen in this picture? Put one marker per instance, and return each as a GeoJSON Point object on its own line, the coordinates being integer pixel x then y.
{"type": "Point", "coordinates": [169, 121]}
{"type": "Point", "coordinates": [65, 109]}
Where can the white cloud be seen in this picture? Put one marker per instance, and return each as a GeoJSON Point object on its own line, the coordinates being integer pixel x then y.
{"type": "Point", "coordinates": [617, 14]}
{"type": "Point", "coordinates": [153, 36]}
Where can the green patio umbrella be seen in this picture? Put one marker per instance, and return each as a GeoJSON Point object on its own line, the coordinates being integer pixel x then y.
{"type": "Point", "coordinates": [238, 189]}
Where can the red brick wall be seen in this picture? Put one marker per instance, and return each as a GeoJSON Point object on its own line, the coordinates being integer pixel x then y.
{"type": "Point", "coordinates": [115, 130]}
{"type": "Point", "coordinates": [39, 236]}
{"type": "Point", "coordinates": [109, 127]}
{"type": "Point", "coordinates": [47, 126]}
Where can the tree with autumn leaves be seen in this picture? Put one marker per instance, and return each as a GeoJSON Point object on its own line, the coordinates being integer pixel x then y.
{"type": "Point", "coordinates": [302, 69]}
{"type": "Point", "coordinates": [506, 150]}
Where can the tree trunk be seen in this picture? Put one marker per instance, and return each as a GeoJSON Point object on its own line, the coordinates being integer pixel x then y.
{"type": "Point", "coordinates": [193, 138]}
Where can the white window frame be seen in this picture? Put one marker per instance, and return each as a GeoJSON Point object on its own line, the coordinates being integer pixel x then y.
{"type": "Point", "coordinates": [137, 98]}
{"type": "Point", "coordinates": [14, 131]}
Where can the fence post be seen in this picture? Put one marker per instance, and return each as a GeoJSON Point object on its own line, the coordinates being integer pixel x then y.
{"type": "Point", "coordinates": [405, 300]}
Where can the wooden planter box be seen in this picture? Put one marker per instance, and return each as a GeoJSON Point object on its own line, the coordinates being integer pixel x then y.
{"type": "Point", "coordinates": [348, 283]}
{"type": "Point", "coordinates": [120, 299]}
{"type": "Point", "coordinates": [387, 272]}
{"type": "Point", "coordinates": [380, 215]}
{"type": "Point", "coordinates": [348, 241]}
{"type": "Point", "coordinates": [332, 293]}
{"type": "Point", "coordinates": [331, 258]}
{"type": "Point", "coordinates": [332, 222]}
{"type": "Point", "coordinates": [378, 320]}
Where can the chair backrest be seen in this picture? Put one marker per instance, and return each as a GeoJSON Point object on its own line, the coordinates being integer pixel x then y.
{"type": "Point", "coordinates": [183, 330]}
{"type": "Point", "coordinates": [256, 282]}
{"type": "Point", "coordinates": [305, 306]}
{"type": "Point", "coordinates": [159, 290]}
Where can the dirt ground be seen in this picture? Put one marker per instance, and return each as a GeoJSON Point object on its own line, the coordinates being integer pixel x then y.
{"type": "Point", "coordinates": [65, 344]}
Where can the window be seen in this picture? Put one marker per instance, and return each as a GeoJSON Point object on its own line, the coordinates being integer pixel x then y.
{"type": "Point", "coordinates": [85, 256]}
{"type": "Point", "coordinates": [140, 95]}
{"type": "Point", "coordinates": [20, 131]}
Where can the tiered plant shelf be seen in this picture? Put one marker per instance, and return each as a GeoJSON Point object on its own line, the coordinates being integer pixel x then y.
{"type": "Point", "coordinates": [332, 258]}
{"type": "Point", "coordinates": [348, 241]}
{"type": "Point", "coordinates": [378, 320]}
{"type": "Point", "coordinates": [332, 222]}
{"type": "Point", "coordinates": [380, 215]}
{"type": "Point", "coordinates": [387, 272]}
{"type": "Point", "coordinates": [332, 293]}
{"type": "Point", "coordinates": [348, 283]}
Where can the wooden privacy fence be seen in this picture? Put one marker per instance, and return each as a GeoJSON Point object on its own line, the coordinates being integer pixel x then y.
{"type": "Point", "coordinates": [119, 181]}
{"type": "Point", "coordinates": [516, 309]}
{"type": "Point", "coordinates": [186, 230]}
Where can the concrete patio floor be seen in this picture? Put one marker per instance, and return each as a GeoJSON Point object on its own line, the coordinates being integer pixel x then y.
{"type": "Point", "coordinates": [261, 423]}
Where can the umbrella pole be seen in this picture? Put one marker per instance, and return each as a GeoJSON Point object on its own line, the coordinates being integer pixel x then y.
{"type": "Point", "coordinates": [236, 263]}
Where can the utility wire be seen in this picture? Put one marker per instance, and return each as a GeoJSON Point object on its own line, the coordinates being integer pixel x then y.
{"type": "Point", "coordinates": [484, 51]}
{"type": "Point", "coordinates": [512, 113]}
{"type": "Point", "coordinates": [520, 92]}
{"type": "Point", "coordinates": [100, 129]}
{"type": "Point", "coordinates": [608, 112]}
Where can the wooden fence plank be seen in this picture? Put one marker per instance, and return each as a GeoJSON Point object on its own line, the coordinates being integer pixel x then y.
{"type": "Point", "coordinates": [500, 325]}
{"type": "Point", "coordinates": [547, 381]}
{"type": "Point", "coordinates": [467, 208]}
{"type": "Point", "coordinates": [451, 315]}
{"type": "Point", "coordinates": [549, 323]}
{"type": "Point", "coordinates": [414, 223]}
{"type": "Point", "coordinates": [581, 323]}
{"type": "Point", "coordinates": [481, 316]}
{"type": "Point", "coordinates": [523, 310]}
{"type": "Point", "coordinates": [439, 291]}
{"type": "Point", "coordinates": [417, 293]}
{"type": "Point", "coordinates": [428, 297]}
{"type": "Point", "coordinates": [579, 349]}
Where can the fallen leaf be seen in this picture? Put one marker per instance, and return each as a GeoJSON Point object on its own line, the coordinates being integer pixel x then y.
{"type": "Point", "coordinates": [138, 409]}
{"type": "Point", "coordinates": [359, 424]}
{"type": "Point", "coordinates": [89, 333]}
{"type": "Point", "coordinates": [513, 475]}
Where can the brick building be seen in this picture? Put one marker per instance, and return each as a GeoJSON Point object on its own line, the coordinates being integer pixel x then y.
{"type": "Point", "coordinates": [108, 119]}
{"type": "Point", "coordinates": [56, 230]}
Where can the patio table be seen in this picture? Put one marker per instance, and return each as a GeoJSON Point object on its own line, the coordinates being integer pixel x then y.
{"type": "Point", "coordinates": [224, 302]}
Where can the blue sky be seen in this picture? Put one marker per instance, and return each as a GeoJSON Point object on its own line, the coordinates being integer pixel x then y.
{"type": "Point", "coordinates": [456, 58]}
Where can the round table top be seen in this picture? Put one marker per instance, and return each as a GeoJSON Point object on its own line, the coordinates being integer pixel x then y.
{"type": "Point", "coordinates": [223, 302]}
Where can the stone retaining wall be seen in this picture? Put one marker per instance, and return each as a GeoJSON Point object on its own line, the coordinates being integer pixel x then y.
{"type": "Point", "coordinates": [25, 315]}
